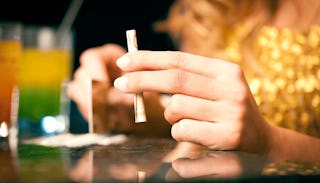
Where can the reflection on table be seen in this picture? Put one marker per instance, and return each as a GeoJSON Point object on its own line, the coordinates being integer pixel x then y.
{"type": "Point", "coordinates": [145, 160]}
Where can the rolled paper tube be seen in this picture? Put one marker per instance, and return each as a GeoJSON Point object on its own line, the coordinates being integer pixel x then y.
{"type": "Point", "coordinates": [139, 110]}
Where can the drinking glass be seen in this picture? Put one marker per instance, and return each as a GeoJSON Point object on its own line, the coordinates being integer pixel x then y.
{"type": "Point", "coordinates": [10, 52]}
{"type": "Point", "coordinates": [46, 67]}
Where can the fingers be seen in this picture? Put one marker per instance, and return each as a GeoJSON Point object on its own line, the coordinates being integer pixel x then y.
{"type": "Point", "coordinates": [175, 81]}
{"type": "Point", "coordinates": [222, 164]}
{"type": "Point", "coordinates": [79, 93]}
{"type": "Point", "coordinates": [95, 64]}
{"type": "Point", "coordinates": [160, 60]}
{"type": "Point", "coordinates": [185, 167]}
{"type": "Point", "coordinates": [212, 104]}
{"type": "Point", "coordinates": [186, 107]}
{"type": "Point", "coordinates": [115, 97]}
{"type": "Point", "coordinates": [218, 136]}
{"type": "Point", "coordinates": [103, 53]}
{"type": "Point", "coordinates": [182, 73]}
{"type": "Point", "coordinates": [99, 62]}
{"type": "Point", "coordinates": [167, 81]}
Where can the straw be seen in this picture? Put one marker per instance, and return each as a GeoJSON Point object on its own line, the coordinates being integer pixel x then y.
{"type": "Point", "coordinates": [68, 19]}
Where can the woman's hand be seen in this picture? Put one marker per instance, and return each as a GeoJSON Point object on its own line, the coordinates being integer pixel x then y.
{"type": "Point", "coordinates": [211, 102]}
{"type": "Point", "coordinates": [95, 64]}
{"type": "Point", "coordinates": [112, 106]}
{"type": "Point", "coordinates": [220, 164]}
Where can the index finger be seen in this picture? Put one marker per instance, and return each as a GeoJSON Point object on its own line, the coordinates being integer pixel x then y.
{"type": "Point", "coordinates": [161, 60]}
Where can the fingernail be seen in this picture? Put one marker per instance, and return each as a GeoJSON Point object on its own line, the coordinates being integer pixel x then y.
{"type": "Point", "coordinates": [121, 83]}
{"type": "Point", "coordinates": [123, 62]}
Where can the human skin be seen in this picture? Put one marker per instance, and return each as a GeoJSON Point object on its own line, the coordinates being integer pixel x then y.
{"type": "Point", "coordinates": [96, 64]}
{"type": "Point", "coordinates": [211, 104]}
{"type": "Point", "coordinates": [221, 115]}
{"type": "Point", "coordinates": [99, 64]}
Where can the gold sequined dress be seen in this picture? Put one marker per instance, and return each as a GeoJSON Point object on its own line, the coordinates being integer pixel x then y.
{"type": "Point", "coordinates": [284, 76]}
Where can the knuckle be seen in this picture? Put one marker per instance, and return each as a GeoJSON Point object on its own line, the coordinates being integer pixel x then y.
{"type": "Point", "coordinates": [178, 131]}
{"type": "Point", "coordinates": [184, 171]}
{"type": "Point", "coordinates": [178, 80]}
{"type": "Point", "coordinates": [232, 142]}
{"type": "Point", "coordinates": [135, 81]}
{"type": "Point", "coordinates": [235, 138]}
{"type": "Point", "coordinates": [238, 126]}
{"type": "Point", "coordinates": [169, 116]}
{"type": "Point", "coordinates": [239, 114]}
{"type": "Point", "coordinates": [177, 57]}
{"type": "Point", "coordinates": [81, 75]}
{"type": "Point", "coordinates": [173, 110]}
{"type": "Point", "coordinates": [229, 141]}
{"type": "Point", "coordinates": [239, 92]}
{"type": "Point", "coordinates": [78, 73]}
{"type": "Point", "coordinates": [113, 47]}
{"type": "Point", "coordinates": [241, 95]}
{"type": "Point", "coordinates": [235, 70]}
{"type": "Point", "coordinates": [182, 131]}
{"type": "Point", "coordinates": [176, 103]}
{"type": "Point", "coordinates": [87, 54]}
{"type": "Point", "coordinates": [139, 56]}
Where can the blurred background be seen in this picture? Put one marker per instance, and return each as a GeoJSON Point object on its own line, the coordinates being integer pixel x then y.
{"type": "Point", "coordinates": [98, 22]}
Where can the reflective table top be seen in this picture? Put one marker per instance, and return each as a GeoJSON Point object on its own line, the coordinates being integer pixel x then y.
{"type": "Point", "coordinates": [146, 160]}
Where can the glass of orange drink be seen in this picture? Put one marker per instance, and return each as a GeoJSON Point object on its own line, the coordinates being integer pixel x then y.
{"type": "Point", "coordinates": [10, 52]}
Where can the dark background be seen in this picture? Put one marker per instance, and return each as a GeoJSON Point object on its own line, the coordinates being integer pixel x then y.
{"type": "Point", "coordinates": [98, 22]}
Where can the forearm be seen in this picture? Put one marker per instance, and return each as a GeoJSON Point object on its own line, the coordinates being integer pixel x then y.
{"type": "Point", "coordinates": [290, 145]}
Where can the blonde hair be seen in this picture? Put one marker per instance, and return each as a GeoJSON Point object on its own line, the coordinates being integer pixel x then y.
{"type": "Point", "coordinates": [204, 26]}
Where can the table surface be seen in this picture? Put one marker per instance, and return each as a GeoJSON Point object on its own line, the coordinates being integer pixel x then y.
{"type": "Point", "coordinates": [143, 160]}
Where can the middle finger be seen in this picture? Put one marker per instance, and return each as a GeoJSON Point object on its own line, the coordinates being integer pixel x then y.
{"type": "Point", "coordinates": [186, 107]}
{"type": "Point", "coordinates": [172, 81]}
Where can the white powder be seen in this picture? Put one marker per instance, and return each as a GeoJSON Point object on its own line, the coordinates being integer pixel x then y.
{"type": "Point", "coordinates": [77, 140]}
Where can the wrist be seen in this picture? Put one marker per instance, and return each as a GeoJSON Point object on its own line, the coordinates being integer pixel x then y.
{"type": "Point", "coordinates": [274, 143]}
{"type": "Point", "coordinates": [286, 144]}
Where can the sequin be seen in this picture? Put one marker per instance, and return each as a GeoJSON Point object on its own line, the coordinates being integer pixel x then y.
{"type": "Point", "coordinates": [288, 91]}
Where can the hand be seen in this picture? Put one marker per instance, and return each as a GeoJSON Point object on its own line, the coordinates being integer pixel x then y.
{"type": "Point", "coordinates": [219, 164]}
{"type": "Point", "coordinates": [95, 64]}
{"type": "Point", "coordinates": [115, 107]}
{"type": "Point", "coordinates": [211, 102]}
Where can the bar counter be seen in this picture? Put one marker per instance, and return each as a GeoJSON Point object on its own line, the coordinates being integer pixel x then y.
{"type": "Point", "coordinates": [145, 160]}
